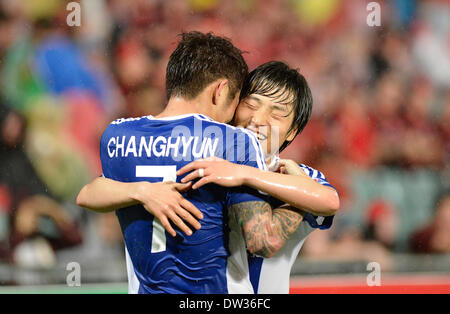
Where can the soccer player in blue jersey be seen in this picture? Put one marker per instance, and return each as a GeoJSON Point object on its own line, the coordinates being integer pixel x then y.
{"type": "Point", "coordinates": [274, 97]}
{"type": "Point", "coordinates": [275, 104]}
{"type": "Point", "coordinates": [204, 76]}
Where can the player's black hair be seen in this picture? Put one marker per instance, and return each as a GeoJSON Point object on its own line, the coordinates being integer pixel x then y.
{"type": "Point", "coordinates": [199, 60]}
{"type": "Point", "coordinates": [284, 85]}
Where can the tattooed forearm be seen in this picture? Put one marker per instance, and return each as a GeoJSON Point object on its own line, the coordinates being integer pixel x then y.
{"type": "Point", "coordinates": [266, 230]}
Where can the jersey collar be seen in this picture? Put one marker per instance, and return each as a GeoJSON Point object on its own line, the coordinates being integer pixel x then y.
{"type": "Point", "coordinates": [198, 115]}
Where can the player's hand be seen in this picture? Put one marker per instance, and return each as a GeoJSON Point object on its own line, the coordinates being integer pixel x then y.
{"type": "Point", "coordinates": [215, 170]}
{"type": "Point", "coordinates": [164, 201]}
{"type": "Point", "coordinates": [288, 166]}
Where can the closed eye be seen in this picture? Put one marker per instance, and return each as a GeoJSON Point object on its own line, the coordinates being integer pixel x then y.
{"type": "Point", "coordinates": [250, 105]}
{"type": "Point", "coordinates": [278, 116]}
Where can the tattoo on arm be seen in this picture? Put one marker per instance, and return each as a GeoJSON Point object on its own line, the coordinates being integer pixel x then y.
{"type": "Point", "coordinates": [266, 230]}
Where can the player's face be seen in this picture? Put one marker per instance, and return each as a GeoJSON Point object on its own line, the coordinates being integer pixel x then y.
{"type": "Point", "coordinates": [270, 120]}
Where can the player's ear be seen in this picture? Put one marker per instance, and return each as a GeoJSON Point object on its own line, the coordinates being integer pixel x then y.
{"type": "Point", "coordinates": [220, 92]}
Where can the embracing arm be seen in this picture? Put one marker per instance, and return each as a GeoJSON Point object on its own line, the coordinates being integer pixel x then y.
{"type": "Point", "coordinates": [104, 195]}
{"type": "Point", "coordinates": [265, 230]}
{"type": "Point", "coordinates": [295, 187]}
{"type": "Point", "coordinates": [299, 190]}
{"type": "Point", "coordinates": [162, 199]}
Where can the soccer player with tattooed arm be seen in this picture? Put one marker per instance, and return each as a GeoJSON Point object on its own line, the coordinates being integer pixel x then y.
{"type": "Point", "coordinates": [264, 216]}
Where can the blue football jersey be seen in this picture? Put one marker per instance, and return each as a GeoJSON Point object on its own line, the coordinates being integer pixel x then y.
{"type": "Point", "coordinates": [272, 275]}
{"type": "Point", "coordinates": [150, 149]}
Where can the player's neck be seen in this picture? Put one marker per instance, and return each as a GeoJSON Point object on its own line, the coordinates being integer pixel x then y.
{"type": "Point", "coordinates": [178, 106]}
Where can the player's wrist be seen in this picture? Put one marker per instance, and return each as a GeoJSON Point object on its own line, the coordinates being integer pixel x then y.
{"type": "Point", "coordinates": [138, 191]}
{"type": "Point", "coordinates": [248, 175]}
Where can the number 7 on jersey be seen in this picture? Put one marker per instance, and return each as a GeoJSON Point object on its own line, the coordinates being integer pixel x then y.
{"type": "Point", "coordinates": [168, 173]}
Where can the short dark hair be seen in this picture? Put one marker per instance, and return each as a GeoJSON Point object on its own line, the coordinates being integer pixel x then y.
{"type": "Point", "coordinates": [285, 85]}
{"type": "Point", "coordinates": [199, 60]}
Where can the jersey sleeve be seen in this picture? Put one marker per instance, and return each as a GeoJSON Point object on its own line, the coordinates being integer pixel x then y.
{"type": "Point", "coordinates": [105, 161]}
{"type": "Point", "coordinates": [249, 153]}
{"type": "Point", "coordinates": [316, 175]}
{"type": "Point", "coordinates": [109, 164]}
{"type": "Point", "coordinates": [318, 222]}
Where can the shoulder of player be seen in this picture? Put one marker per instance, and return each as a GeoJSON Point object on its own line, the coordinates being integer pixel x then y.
{"type": "Point", "coordinates": [125, 121]}
{"type": "Point", "coordinates": [223, 125]}
{"type": "Point", "coordinates": [121, 126]}
{"type": "Point", "coordinates": [246, 134]}
{"type": "Point", "coordinates": [316, 175]}
{"type": "Point", "coordinates": [244, 140]}
{"type": "Point", "coordinates": [313, 173]}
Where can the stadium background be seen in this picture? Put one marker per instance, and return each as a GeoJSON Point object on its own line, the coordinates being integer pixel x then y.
{"type": "Point", "coordinates": [380, 130]}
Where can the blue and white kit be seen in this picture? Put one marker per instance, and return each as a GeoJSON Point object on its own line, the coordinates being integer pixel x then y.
{"type": "Point", "coordinates": [214, 258]}
{"type": "Point", "coordinates": [271, 275]}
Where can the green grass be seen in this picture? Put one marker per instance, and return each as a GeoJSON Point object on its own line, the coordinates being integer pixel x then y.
{"type": "Point", "coordinates": [109, 288]}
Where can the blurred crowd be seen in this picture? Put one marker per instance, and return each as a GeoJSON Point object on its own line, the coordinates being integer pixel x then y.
{"type": "Point", "coordinates": [380, 129]}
